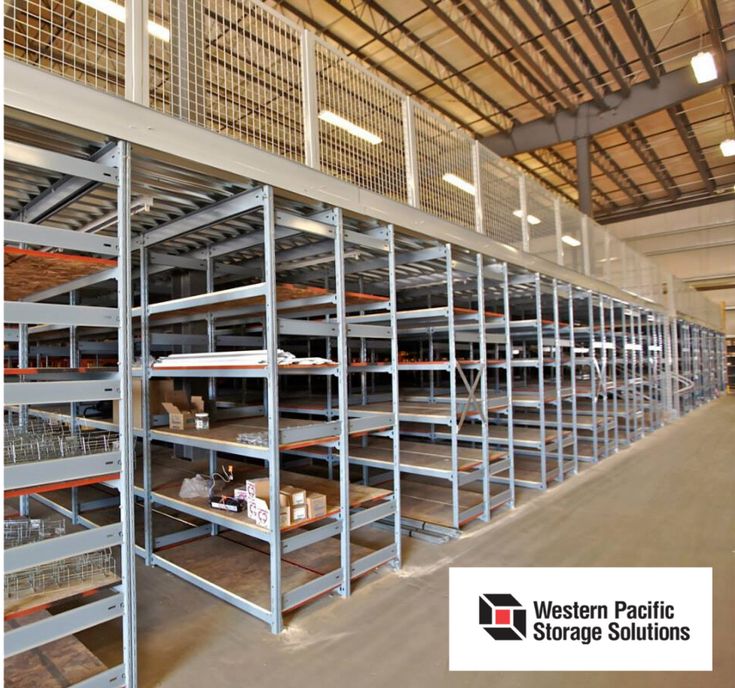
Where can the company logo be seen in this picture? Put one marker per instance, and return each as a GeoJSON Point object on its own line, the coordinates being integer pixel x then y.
{"type": "Point", "coordinates": [503, 617]}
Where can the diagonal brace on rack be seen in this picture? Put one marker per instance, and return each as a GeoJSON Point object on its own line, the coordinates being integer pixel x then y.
{"type": "Point", "coordinates": [471, 399]}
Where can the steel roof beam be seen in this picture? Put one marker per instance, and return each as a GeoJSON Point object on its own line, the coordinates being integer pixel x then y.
{"type": "Point", "coordinates": [592, 37]}
{"type": "Point", "coordinates": [718, 43]}
{"type": "Point", "coordinates": [590, 120]}
{"type": "Point", "coordinates": [634, 29]}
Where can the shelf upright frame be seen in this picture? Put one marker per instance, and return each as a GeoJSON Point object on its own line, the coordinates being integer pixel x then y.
{"type": "Point", "coordinates": [592, 361]}
{"type": "Point", "coordinates": [573, 381]}
{"type": "Point", "coordinates": [509, 384]}
{"type": "Point", "coordinates": [614, 374]}
{"type": "Point", "coordinates": [557, 381]}
{"type": "Point", "coordinates": [483, 387]}
{"type": "Point", "coordinates": [145, 349]}
{"type": "Point", "coordinates": [342, 402]}
{"type": "Point", "coordinates": [274, 462]}
{"type": "Point", "coordinates": [604, 375]}
{"type": "Point", "coordinates": [453, 425]}
{"type": "Point", "coordinates": [541, 385]}
{"type": "Point", "coordinates": [125, 428]}
{"type": "Point", "coordinates": [395, 393]}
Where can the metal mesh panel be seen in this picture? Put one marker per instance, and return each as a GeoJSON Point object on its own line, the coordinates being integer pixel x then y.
{"type": "Point", "coordinates": [233, 67]}
{"type": "Point", "coordinates": [614, 264]}
{"type": "Point", "coordinates": [571, 228]}
{"type": "Point", "coordinates": [441, 151]}
{"type": "Point", "coordinates": [598, 249]}
{"type": "Point", "coordinates": [70, 39]}
{"type": "Point", "coordinates": [161, 79]}
{"type": "Point", "coordinates": [541, 222]}
{"type": "Point", "coordinates": [347, 92]}
{"type": "Point", "coordinates": [500, 199]}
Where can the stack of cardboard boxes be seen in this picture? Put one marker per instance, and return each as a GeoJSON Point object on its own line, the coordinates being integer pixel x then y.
{"type": "Point", "coordinates": [295, 504]}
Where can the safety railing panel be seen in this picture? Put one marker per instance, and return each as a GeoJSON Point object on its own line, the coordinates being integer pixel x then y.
{"type": "Point", "coordinates": [499, 186]}
{"type": "Point", "coordinates": [241, 69]}
{"type": "Point", "coordinates": [541, 220]}
{"type": "Point", "coordinates": [360, 125]}
{"type": "Point", "coordinates": [232, 67]}
{"type": "Point", "coordinates": [445, 178]}
{"type": "Point", "coordinates": [69, 38]}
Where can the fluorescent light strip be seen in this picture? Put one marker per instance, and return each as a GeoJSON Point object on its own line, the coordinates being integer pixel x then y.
{"type": "Point", "coordinates": [350, 127]}
{"type": "Point", "coordinates": [704, 67]}
{"type": "Point", "coordinates": [460, 183]}
{"type": "Point", "coordinates": [728, 147]}
{"type": "Point", "coordinates": [112, 9]}
{"type": "Point", "coordinates": [532, 219]}
{"type": "Point", "coordinates": [571, 241]}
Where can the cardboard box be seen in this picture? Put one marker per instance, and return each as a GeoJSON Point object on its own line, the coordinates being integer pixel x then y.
{"type": "Point", "coordinates": [316, 504]}
{"type": "Point", "coordinates": [299, 513]}
{"type": "Point", "coordinates": [181, 410]}
{"type": "Point", "coordinates": [296, 496]}
{"type": "Point", "coordinates": [158, 391]}
{"type": "Point", "coordinates": [257, 487]}
{"type": "Point", "coordinates": [262, 511]}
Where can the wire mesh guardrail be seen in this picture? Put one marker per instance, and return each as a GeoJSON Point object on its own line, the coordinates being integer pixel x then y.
{"type": "Point", "coordinates": [360, 125]}
{"type": "Point", "coordinates": [239, 68]}
{"type": "Point", "coordinates": [96, 568]}
{"type": "Point", "coordinates": [69, 38]}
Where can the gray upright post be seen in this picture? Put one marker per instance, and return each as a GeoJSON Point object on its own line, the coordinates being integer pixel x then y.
{"type": "Point", "coordinates": [395, 391]}
{"type": "Point", "coordinates": [274, 458]}
{"type": "Point", "coordinates": [125, 428]}
{"type": "Point", "coordinates": [454, 428]}
{"type": "Point", "coordinates": [145, 349]}
{"type": "Point", "coordinates": [509, 384]}
{"type": "Point", "coordinates": [343, 402]}
{"type": "Point", "coordinates": [483, 387]}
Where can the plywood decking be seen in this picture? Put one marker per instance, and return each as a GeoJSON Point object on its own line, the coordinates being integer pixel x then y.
{"type": "Point", "coordinates": [28, 271]}
{"type": "Point", "coordinates": [58, 664]}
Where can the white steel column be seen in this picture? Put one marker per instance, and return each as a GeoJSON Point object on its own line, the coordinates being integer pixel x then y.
{"type": "Point", "coordinates": [310, 103]}
{"type": "Point", "coordinates": [136, 52]}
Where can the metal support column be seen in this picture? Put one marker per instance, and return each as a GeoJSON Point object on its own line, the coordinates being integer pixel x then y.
{"type": "Point", "coordinates": [274, 458]}
{"type": "Point", "coordinates": [343, 403]}
{"type": "Point", "coordinates": [125, 428]}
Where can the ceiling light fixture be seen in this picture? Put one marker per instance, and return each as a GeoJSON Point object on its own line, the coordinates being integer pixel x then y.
{"type": "Point", "coordinates": [571, 241]}
{"type": "Point", "coordinates": [460, 183]}
{"type": "Point", "coordinates": [350, 127]}
{"type": "Point", "coordinates": [704, 67]}
{"type": "Point", "coordinates": [532, 219]}
{"type": "Point", "coordinates": [112, 9]}
{"type": "Point", "coordinates": [728, 147]}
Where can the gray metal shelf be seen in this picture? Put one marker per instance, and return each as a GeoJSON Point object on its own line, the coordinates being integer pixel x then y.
{"type": "Point", "coordinates": [55, 463]}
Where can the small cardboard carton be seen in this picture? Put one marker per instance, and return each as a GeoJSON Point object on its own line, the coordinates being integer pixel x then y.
{"type": "Point", "coordinates": [299, 513]}
{"type": "Point", "coordinates": [262, 512]}
{"type": "Point", "coordinates": [257, 487]}
{"type": "Point", "coordinates": [181, 410]}
{"type": "Point", "coordinates": [296, 496]}
{"type": "Point", "coordinates": [316, 504]}
{"type": "Point", "coordinates": [158, 392]}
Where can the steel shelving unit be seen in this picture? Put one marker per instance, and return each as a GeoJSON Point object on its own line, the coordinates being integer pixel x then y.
{"type": "Point", "coordinates": [40, 457]}
{"type": "Point", "coordinates": [525, 357]}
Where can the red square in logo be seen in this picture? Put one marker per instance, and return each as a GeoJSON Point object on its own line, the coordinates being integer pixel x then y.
{"type": "Point", "coordinates": [502, 617]}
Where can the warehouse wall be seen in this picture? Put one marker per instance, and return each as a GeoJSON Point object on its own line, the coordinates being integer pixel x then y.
{"type": "Point", "coordinates": [696, 244]}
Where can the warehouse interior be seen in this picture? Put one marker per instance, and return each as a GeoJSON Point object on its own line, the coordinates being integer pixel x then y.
{"type": "Point", "coordinates": [451, 282]}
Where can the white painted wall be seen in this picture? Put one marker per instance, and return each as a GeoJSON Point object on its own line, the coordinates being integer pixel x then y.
{"type": "Point", "coordinates": [694, 244]}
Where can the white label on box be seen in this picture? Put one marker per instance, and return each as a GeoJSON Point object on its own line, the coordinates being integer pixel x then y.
{"type": "Point", "coordinates": [580, 619]}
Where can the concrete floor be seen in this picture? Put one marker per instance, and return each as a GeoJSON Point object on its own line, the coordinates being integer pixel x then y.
{"type": "Point", "coordinates": [667, 501]}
